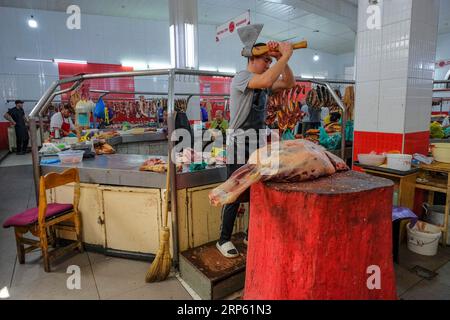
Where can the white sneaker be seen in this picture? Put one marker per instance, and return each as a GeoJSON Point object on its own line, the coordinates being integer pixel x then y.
{"type": "Point", "coordinates": [228, 250]}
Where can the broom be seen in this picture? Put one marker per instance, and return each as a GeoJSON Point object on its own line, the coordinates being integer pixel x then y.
{"type": "Point", "coordinates": [160, 268]}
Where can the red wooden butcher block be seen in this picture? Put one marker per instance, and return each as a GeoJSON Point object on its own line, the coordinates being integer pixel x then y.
{"type": "Point", "coordinates": [321, 240]}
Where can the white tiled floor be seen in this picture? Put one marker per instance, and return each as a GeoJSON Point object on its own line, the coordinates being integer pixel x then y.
{"type": "Point", "coordinates": [105, 277]}
{"type": "Point", "coordinates": [14, 160]}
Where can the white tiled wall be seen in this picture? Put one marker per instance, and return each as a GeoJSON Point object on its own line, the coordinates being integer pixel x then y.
{"type": "Point", "coordinates": [367, 97]}
{"type": "Point", "coordinates": [395, 11]}
{"type": "Point", "coordinates": [395, 50]}
{"type": "Point", "coordinates": [392, 105]}
{"type": "Point", "coordinates": [368, 55]}
{"type": "Point", "coordinates": [399, 59]}
{"type": "Point", "coordinates": [111, 40]}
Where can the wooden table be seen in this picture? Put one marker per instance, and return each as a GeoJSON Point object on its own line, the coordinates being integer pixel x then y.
{"type": "Point", "coordinates": [438, 185]}
{"type": "Point", "coordinates": [405, 182]}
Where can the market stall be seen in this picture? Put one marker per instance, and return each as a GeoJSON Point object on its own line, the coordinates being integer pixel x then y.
{"type": "Point", "coordinates": [193, 223]}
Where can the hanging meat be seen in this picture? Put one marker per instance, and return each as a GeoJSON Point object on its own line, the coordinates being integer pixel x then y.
{"type": "Point", "coordinates": [284, 108]}
{"type": "Point", "coordinates": [298, 160]}
{"type": "Point", "coordinates": [181, 105]}
{"type": "Point", "coordinates": [349, 101]}
{"type": "Point", "coordinates": [311, 98]}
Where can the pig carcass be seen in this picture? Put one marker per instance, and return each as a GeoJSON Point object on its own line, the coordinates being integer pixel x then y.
{"type": "Point", "coordinates": [286, 161]}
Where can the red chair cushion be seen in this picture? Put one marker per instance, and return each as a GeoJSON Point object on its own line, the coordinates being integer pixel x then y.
{"type": "Point", "coordinates": [30, 216]}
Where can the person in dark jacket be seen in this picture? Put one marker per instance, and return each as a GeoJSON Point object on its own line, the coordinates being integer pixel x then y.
{"type": "Point", "coordinates": [16, 117]}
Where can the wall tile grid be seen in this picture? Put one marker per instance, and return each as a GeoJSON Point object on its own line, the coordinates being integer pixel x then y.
{"type": "Point", "coordinates": [418, 101]}
{"type": "Point", "coordinates": [417, 142]}
{"type": "Point", "coordinates": [366, 142]}
{"type": "Point", "coordinates": [367, 96]}
{"type": "Point", "coordinates": [392, 106]}
{"type": "Point", "coordinates": [405, 58]}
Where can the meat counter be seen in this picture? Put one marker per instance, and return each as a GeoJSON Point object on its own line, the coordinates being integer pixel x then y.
{"type": "Point", "coordinates": [121, 207]}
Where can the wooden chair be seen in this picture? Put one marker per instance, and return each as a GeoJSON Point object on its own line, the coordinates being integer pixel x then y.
{"type": "Point", "coordinates": [45, 220]}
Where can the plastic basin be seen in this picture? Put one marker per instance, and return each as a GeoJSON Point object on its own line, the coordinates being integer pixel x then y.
{"type": "Point", "coordinates": [371, 159]}
{"type": "Point", "coordinates": [441, 152]}
{"type": "Point", "coordinates": [71, 156]}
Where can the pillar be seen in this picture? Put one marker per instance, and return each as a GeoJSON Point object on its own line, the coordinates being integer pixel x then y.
{"type": "Point", "coordinates": [395, 61]}
{"type": "Point", "coordinates": [183, 33]}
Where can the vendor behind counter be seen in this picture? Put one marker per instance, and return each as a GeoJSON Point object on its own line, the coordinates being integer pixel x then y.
{"type": "Point", "coordinates": [61, 124]}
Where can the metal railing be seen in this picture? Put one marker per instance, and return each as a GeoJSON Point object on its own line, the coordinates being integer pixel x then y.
{"type": "Point", "coordinates": [76, 81]}
{"type": "Point", "coordinates": [43, 103]}
{"type": "Point", "coordinates": [327, 83]}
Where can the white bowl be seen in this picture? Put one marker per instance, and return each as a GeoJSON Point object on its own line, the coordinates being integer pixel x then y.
{"type": "Point", "coordinates": [371, 159]}
{"type": "Point", "coordinates": [441, 152]}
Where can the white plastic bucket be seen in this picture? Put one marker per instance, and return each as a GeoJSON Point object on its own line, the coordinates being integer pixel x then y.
{"type": "Point", "coordinates": [435, 215]}
{"type": "Point", "coordinates": [401, 162]}
{"type": "Point", "coordinates": [423, 238]}
{"type": "Point", "coordinates": [441, 152]}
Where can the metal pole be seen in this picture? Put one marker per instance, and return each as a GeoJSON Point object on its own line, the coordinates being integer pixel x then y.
{"type": "Point", "coordinates": [173, 172]}
{"type": "Point", "coordinates": [142, 73]}
{"type": "Point", "coordinates": [41, 127]}
{"type": "Point", "coordinates": [344, 119]}
{"type": "Point", "coordinates": [35, 157]}
{"type": "Point", "coordinates": [57, 93]}
{"type": "Point", "coordinates": [34, 113]}
{"type": "Point", "coordinates": [333, 81]}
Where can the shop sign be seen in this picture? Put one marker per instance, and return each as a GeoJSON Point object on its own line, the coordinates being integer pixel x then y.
{"type": "Point", "coordinates": [442, 63]}
{"type": "Point", "coordinates": [231, 26]}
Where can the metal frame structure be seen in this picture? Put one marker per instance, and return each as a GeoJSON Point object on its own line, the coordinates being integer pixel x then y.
{"type": "Point", "coordinates": [326, 83]}
{"type": "Point", "coordinates": [76, 81]}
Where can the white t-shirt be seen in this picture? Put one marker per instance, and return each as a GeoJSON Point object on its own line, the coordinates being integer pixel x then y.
{"type": "Point", "coordinates": [58, 120]}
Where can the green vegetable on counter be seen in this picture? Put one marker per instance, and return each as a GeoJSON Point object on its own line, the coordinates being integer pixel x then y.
{"type": "Point", "coordinates": [436, 131]}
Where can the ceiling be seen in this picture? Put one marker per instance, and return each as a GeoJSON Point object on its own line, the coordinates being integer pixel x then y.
{"type": "Point", "coordinates": [281, 21]}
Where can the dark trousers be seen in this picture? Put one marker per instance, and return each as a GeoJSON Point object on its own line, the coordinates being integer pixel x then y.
{"type": "Point", "coordinates": [230, 211]}
{"type": "Point", "coordinates": [22, 139]}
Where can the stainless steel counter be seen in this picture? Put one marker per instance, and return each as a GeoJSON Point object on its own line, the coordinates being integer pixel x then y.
{"type": "Point", "coordinates": [123, 170]}
{"type": "Point", "coordinates": [131, 138]}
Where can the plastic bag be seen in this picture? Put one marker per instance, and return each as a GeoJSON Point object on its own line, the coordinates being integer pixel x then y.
{"type": "Point", "coordinates": [49, 148]}
{"type": "Point", "coordinates": [447, 132]}
{"type": "Point", "coordinates": [349, 128]}
{"type": "Point", "coordinates": [332, 142]}
{"type": "Point", "coordinates": [288, 135]}
{"type": "Point", "coordinates": [99, 110]}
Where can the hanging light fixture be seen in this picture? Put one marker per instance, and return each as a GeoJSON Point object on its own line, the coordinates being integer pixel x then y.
{"type": "Point", "coordinates": [32, 23]}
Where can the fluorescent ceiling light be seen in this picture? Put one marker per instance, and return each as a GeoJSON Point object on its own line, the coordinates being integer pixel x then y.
{"type": "Point", "coordinates": [172, 46]}
{"type": "Point", "coordinates": [32, 23]}
{"type": "Point", "coordinates": [136, 65]}
{"type": "Point", "coordinates": [227, 70]}
{"type": "Point", "coordinates": [208, 69]}
{"type": "Point", "coordinates": [159, 65]}
{"type": "Point", "coordinates": [33, 60]}
{"type": "Point", "coordinates": [70, 61]}
{"type": "Point", "coordinates": [189, 45]}
{"type": "Point", "coordinates": [306, 76]}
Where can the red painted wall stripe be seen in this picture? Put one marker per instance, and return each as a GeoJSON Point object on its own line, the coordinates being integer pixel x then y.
{"type": "Point", "coordinates": [4, 144]}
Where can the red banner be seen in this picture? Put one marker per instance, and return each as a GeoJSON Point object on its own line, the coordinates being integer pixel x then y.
{"type": "Point", "coordinates": [67, 70]}
{"type": "Point", "coordinates": [125, 106]}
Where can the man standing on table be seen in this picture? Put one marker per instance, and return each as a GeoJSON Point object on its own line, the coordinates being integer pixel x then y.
{"type": "Point", "coordinates": [249, 96]}
{"type": "Point", "coordinates": [16, 116]}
